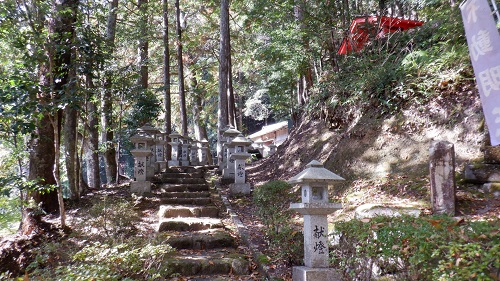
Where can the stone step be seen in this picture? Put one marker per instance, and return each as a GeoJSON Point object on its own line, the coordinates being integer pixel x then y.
{"type": "Point", "coordinates": [166, 175]}
{"type": "Point", "coordinates": [202, 240]}
{"type": "Point", "coordinates": [188, 224]}
{"type": "Point", "coordinates": [184, 170]}
{"type": "Point", "coordinates": [186, 194]}
{"type": "Point", "coordinates": [186, 201]}
{"type": "Point", "coordinates": [482, 173]}
{"type": "Point", "coordinates": [166, 187]}
{"type": "Point", "coordinates": [169, 211]}
{"type": "Point", "coordinates": [218, 263]}
{"type": "Point", "coordinates": [183, 180]}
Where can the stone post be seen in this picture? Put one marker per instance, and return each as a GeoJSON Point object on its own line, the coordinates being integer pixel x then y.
{"type": "Point", "coordinates": [161, 164]}
{"type": "Point", "coordinates": [315, 207]}
{"type": "Point", "coordinates": [442, 177]}
{"type": "Point", "coordinates": [203, 152]}
{"type": "Point", "coordinates": [184, 157]}
{"type": "Point", "coordinates": [141, 152]}
{"type": "Point", "coordinates": [174, 143]}
{"type": "Point", "coordinates": [193, 153]}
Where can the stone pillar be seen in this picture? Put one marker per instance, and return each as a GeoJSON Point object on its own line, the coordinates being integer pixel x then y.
{"type": "Point", "coordinates": [240, 186]}
{"type": "Point", "coordinates": [203, 152]}
{"type": "Point", "coordinates": [161, 164]}
{"type": "Point", "coordinates": [442, 177]}
{"type": "Point", "coordinates": [314, 181]}
{"type": "Point", "coordinates": [193, 153]}
{"type": "Point", "coordinates": [141, 153]}
{"type": "Point", "coordinates": [151, 160]}
{"type": "Point", "coordinates": [184, 157]}
{"type": "Point", "coordinates": [175, 143]}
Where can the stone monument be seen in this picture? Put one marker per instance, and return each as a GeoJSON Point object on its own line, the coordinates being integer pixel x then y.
{"type": "Point", "coordinates": [239, 157]}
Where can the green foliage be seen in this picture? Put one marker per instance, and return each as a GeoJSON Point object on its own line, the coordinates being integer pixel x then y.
{"type": "Point", "coordinates": [408, 248]}
{"type": "Point", "coordinates": [272, 201]}
{"type": "Point", "coordinates": [136, 259]}
{"type": "Point", "coordinates": [113, 217]}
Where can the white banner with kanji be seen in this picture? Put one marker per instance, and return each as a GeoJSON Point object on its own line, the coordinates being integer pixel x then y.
{"type": "Point", "coordinates": [484, 49]}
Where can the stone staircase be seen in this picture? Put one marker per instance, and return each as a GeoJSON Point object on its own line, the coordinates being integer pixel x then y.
{"type": "Point", "coordinates": [190, 214]}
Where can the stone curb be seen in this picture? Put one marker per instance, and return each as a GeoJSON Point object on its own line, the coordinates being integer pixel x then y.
{"type": "Point", "coordinates": [243, 233]}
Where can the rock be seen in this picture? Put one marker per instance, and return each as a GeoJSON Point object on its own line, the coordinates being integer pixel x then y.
{"type": "Point", "coordinates": [373, 210]}
{"type": "Point", "coordinates": [482, 173]}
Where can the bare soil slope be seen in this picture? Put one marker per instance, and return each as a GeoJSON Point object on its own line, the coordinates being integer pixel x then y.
{"type": "Point", "coordinates": [384, 158]}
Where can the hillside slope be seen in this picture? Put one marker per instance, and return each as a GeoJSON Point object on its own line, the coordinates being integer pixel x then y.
{"type": "Point", "coordinates": [384, 158]}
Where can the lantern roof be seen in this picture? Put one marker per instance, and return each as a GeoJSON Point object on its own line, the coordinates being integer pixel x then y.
{"type": "Point", "coordinates": [240, 140]}
{"type": "Point", "coordinates": [315, 172]}
{"type": "Point", "coordinates": [231, 132]}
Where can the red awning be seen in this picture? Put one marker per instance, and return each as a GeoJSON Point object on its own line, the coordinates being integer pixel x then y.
{"type": "Point", "coordinates": [362, 27]}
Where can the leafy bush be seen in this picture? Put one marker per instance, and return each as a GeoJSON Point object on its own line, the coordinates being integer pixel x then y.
{"type": "Point", "coordinates": [113, 217]}
{"type": "Point", "coordinates": [408, 248]}
{"type": "Point", "coordinates": [272, 201]}
{"type": "Point", "coordinates": [136, 259]}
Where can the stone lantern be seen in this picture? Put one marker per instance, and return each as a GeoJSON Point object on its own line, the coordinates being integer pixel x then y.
{"type": "Point", "coordinates": [238, 144]}
{"type": "Point", "coordinates": [203, 153]}
{"type": "Point", "coordinates": [184, 157]}
{"type": "Point", "coordinates": [228, 135]}
{"type": "Point", "coordinates": [315, 207]}
{"type": "Point", "coordinates": [175, 144]}
{"type": "Point", "coordinates": [239, 157]}
{"type": "Point", "coordinates": [151, 160]}
{"type": "Point", "coordinates": [141, 152]}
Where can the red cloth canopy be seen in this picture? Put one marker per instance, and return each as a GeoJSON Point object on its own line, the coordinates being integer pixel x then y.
{"type": "Point", "coordinates": [362, 27]}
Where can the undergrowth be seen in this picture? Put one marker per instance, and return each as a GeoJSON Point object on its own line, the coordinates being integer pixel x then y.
{"type": "Point", "coordinates": [272, 201]}
{"type": "Point", "coordinates": [409, 248]}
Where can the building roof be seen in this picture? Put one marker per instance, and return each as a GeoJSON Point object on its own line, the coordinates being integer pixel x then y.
{"type": "Point", "coordinates": [268, 129]}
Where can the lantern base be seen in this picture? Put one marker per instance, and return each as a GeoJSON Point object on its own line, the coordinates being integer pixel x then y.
{"type": "Point", "coordinates": [304, 273]}
{"type": "Point", "coordinates": [239, 188]}
{"type": "Point", "coordinates": [140, 187]}
{"type": "Point", "coordinates": [173, 163]}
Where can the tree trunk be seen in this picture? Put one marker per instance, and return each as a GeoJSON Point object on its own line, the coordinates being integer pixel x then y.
{"type": "Point", "coordinates": [230, 101]}
{"type": "Point", "coordinates": [223, 75]}
{"type": "Point", "coordinates": [54, 78]}
{"type": "Point", "coordinates": [182, 95]}
{"type": "Point", "coordinates": [110, 160]}
{"type": "Point", "coordinates": [166, 82]}
{"type": "Point", "coordinates": [143, 44]}
{"type": "Point", "coordinates": [93, 175]}
{"type": "Point", "coordinates": [70, 143]}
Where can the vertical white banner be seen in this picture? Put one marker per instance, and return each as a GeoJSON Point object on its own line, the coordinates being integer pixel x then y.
{"type": "Point", "coordinates": [484, 49]}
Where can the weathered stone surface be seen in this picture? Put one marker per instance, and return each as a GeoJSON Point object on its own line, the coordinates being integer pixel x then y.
{"type": "Point", "coordinates": [169, 211]}
{"type": "Point", "coordinates": [166, 187]}
{"type": "Point", "coordinates": [188, 224]}
{"type": "Point", "coordinates": [209, 239]}
{"type": "Point", "coordinates": [492, 188]}
{"type": "Point", "coordinates": [209, 265]}
{"type": "Point", "coordinates": [303, 273]}
{"type": "Point", "coordinates": [186, 201]}
{"type": "Point", "coordinates": [482, 173]}
{"type": "Point", "coordinates": [492, 155]}
{"type": "Point", "coordinates": [442, 177]}
{"type": "Point", "coordinates": [373, 210]}
{"type": "Point", "coordinates": [200, 194]}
